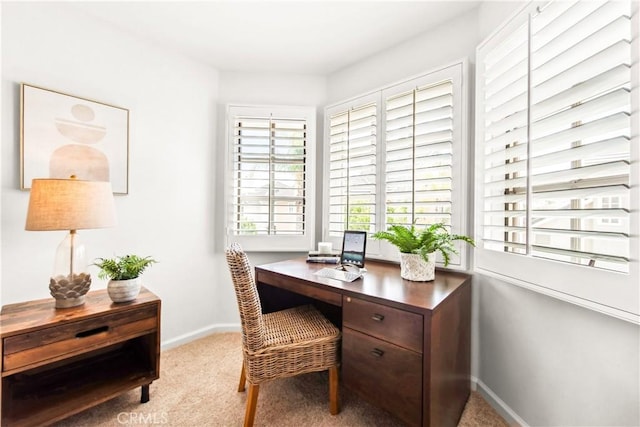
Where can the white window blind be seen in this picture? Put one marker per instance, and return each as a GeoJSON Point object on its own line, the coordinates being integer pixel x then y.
{"type": "Point", "coordinates": [269, 189]}
{"type": "Point", "coordinates": [419, 151]}
{"type": "Point", "coordinates": [352, 169]}
{"type": "Point", "coordinates": [505, 143]}
{"type": "Point", "coordinates": [580, 132]}
{"type": "Point", "coordinates": [555, 144]}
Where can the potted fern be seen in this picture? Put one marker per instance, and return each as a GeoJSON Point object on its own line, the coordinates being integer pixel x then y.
{"type": "Point", "coordinates": [123, 273]}
{"type": "Point", "coordinates": [418, 248]}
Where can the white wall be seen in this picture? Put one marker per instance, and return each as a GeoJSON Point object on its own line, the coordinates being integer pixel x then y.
{"type": "Point", "coordinates": [168, 212]}
{"type": "Point", "coordinates": [554, 363]}
{"type": "Point", "coordinates": [431, 50]}
{"type": "Point", "coordinates": [260, 89]}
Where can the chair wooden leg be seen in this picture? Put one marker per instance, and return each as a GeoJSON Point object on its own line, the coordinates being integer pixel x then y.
{"type": "Point", "coordinates": [252, 400]}
{"type": "Point", "coordinates": [334, 404]}
{"type": "Point", "coordinates": [243, 379]}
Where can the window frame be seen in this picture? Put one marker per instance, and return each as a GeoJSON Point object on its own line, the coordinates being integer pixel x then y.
{"type": "Point", "coordinates": [272, 243]}
{"type": "Point", "coordinates": [456, 71]}
{"type": "Point", "coordinates": [609, 292]}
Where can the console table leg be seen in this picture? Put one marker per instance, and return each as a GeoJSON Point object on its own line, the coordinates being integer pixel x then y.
{"type": "Point", "coordinates": [144, 395]}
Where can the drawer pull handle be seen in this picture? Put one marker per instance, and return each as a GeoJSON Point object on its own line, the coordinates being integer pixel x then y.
{"type": "Point", "coordinates": [377, 317]}
{"type": "Point", "coordinates": [376, 352]}
{"type": "Point", "coordinates": [92, 332]}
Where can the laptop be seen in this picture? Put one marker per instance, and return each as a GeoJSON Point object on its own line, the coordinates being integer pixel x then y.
{"type": "Point", "coordinates": [354, 244]}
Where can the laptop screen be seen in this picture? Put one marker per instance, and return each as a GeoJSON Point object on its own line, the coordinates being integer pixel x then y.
{"type": "Point", "coordinates": [354, 244]}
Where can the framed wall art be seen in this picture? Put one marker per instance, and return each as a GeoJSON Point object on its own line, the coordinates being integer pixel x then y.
{"type": "Point", "coordinates": [63, 135]}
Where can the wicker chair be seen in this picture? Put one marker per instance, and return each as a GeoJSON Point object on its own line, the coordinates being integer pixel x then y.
{"type": "Point", "coordinates": [281, 344]}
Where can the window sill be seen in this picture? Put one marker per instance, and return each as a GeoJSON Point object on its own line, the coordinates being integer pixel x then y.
{"type": "Point", "coordinates": [588, 304]}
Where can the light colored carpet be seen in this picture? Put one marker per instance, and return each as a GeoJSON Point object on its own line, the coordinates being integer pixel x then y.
{"type": "Point", "coordinates": [198, 383]}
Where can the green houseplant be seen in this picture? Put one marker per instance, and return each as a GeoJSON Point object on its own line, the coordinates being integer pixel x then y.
{"type": "Point", "coordinates": [418, 248]}
{"type": "Point", "coordinates": [123, 273]}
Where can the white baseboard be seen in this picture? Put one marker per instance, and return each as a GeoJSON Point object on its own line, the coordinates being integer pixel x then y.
{"type": "Point", "coordinates": [498, 404]}
{"type": "Point", "coordinates": [203, 332]}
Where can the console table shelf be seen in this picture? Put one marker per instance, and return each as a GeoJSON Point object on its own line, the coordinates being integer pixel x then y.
{"type": "Point", "coordinates": [57, 362]}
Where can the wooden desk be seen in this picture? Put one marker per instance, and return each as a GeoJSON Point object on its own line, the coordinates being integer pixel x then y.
{"type": "Point", "coordinates": [405, 345]}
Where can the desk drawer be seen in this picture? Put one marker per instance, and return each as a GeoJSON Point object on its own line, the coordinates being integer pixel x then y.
{"type": "Point", "coordinates": [34, 348]}
{"type": "Point", "coordinates": [385, 374]}
{"type": "Point", "coordinates": [390, 324]}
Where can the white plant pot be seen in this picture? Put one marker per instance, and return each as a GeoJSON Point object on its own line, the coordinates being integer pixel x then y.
{"type": "Point", "coordinates": [124, 290]}
{"type": "Point", "coordinates": [414, 267]}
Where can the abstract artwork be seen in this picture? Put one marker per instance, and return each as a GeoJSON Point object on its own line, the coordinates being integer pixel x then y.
{"type": "Point", "coordinates": [63, 136]}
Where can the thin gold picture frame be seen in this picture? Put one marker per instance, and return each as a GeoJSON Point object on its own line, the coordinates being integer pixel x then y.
{"type": "Point", "coordinates": [63, 135]}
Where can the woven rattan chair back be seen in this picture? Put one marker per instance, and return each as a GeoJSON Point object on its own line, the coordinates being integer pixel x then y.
{"type": "Point", "coordinates": [247, 295]}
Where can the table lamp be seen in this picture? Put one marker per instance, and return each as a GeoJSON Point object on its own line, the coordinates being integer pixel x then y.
{"type": "Point", "coordinates": [70, 204]}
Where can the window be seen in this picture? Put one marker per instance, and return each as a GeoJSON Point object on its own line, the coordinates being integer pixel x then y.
{"type": "Point", "coordinates": [612, 203]}
{"type": "Point", "coordinates": [352, 143]}
{"type": "Point", "coordinates": [396, 156]}
{"type": "Point", "coordinates": [419, 152]}
{"type": "Point", "coordinates": [269, 193]}
{"type": "Point", "coordinates": [556, 151]}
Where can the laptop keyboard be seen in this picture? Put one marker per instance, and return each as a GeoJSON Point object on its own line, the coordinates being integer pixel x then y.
{"type": "Point", "coordinates": [332, 273]}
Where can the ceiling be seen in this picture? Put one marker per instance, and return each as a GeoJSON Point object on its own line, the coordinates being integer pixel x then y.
{"type": "Point", "coordinates": [305, 37]}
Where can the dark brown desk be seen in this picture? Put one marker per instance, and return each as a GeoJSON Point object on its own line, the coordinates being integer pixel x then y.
{"type": "Point", "coordinates": [405, 345]}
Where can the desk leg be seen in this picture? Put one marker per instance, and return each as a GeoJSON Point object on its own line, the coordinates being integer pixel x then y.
{"type": "Point", "coordinates": [144, 395]}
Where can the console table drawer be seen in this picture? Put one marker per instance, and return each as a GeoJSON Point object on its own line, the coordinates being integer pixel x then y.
{"type": "Point", "coordinates": [390, 324]}
{"type": "Point", "coordinates": [37, 347]}
{"type": "Point", "coordinates": [383, 373]}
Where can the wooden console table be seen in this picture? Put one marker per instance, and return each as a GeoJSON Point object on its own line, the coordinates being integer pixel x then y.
{"type": "Point", "coordinates": [405, 345]}
{"type": "Point", "coordinates": [57, 362]}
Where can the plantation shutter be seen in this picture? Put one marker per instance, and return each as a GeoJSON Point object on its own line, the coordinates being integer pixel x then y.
{"type": "Point", "coordinates": [505, 144]}
{"type": "Point", "coordinates": [352, 169]}
{"type": "Point", "coordinates": [269, 176]}
{"type": "Point", "coordinates": [556, 136]}
{"type": "Point", "coordinates": [419, 155]}
{"type": "Point", "coordinates": [580, 150]}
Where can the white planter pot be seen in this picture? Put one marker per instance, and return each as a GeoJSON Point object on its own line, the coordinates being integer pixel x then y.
{"type": "Point", "coordinates": [124, 290]}
{"type": "Point", "coordinates": [413, 267]}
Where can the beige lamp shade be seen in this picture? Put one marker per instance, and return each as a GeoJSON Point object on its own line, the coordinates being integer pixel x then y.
{"type": "Point", "coordinates": [70, 204]}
